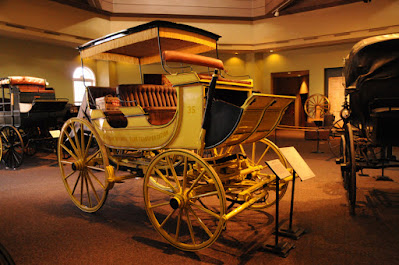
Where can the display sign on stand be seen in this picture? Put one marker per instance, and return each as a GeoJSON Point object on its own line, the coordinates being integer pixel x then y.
{"type": "Point", "coordinates": [299, 165]}
{"type": "Point", "coordinates": [280, 248]}
{"type": "Point", "coordinates": [302, 169]}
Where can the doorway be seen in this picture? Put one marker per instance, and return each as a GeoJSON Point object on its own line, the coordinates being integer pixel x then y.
{"type": "Point", "coordinates": [294, 83]}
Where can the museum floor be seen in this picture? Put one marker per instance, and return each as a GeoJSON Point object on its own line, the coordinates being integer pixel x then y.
{"type": "Point", "coordinates": [39, 224]}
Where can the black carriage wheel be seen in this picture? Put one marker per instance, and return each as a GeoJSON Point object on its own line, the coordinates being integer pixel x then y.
{"type": "Point", "coordinates": [351, 169]}
{"type": "Point", "coordinates": [344, 159]}
{"type": "Point", "coordinates": [30, 148]}
{"type": "Point", "coordinates": [13, 146]}
{"type": "Point", "coordinates": [334, 137]}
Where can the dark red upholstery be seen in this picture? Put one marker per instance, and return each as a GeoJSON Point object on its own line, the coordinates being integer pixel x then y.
{"type": "Point", "coordinates": [158, 101]}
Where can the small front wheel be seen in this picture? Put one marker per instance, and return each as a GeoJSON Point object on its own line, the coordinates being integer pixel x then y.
{"type": "Point", "coordinates": [83, 161]}
{"type": "Point", "coordinates": [184, 201]}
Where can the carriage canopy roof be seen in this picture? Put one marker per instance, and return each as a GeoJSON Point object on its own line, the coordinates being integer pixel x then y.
{"type": "Point", "coordinates": [370, 56]}
{"type": "Point", "coordinates": [142, 44]}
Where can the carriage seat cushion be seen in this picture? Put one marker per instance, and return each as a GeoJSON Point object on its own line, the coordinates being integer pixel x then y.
{"type": "Point", "coordinates": [25, 80]}
{"type": "Point", "coordinates": [116, 118]}
{"type": "Point", "coordinates": [28, 84]}
{"type": "Point", "coordinates": [159, 101]}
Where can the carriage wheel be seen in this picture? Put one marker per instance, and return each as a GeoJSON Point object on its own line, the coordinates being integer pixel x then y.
{"type": "Point", "coordinates": [13, 146]}
{"type": "Point", "coordinates": [334, 137]}
{"type": "Point", "coordinates": [172, 193]}
{"type": "Point", "coordinates": [344, 159]}
{"type": "Point", "coordinates": [30, 148]}
{"type": "Point", "coordinates": [257, 154]}
{"type": "Point", "coordinates": [83, 161]}
{"type": "Point", "coordinates": [315, 103]}
{"type": "Point", "coordinates": [350, 169]}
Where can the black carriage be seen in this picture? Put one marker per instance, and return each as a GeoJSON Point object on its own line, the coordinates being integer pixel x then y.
{"type": "Point", "coordinates": [371, 109]}
{"type": "Point", "coordinates": [29, 113]}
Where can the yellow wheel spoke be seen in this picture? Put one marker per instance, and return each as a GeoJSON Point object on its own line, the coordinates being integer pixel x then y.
{"type": "Point", "coordinates": [263, 155]}
{"type": "Point", "coordinates": [72, 145]}
{"type": "Point", "coordinates": [190, 227]}
{"type": "Point", "coordinates": [178, 224]}
{"type": "Point", "coordinates": [82, 139]}
{"type": "Point", "coordinates": [95, 177]}
{"type": "Point", "coordinates": [196, 181]}
{"type": "Point", "coordinates": [167, 218]}
{"type": "Point", "coordinates": [81, 189]}
{"type": "Point", "coordinates": [66, 162]}
{"type": "Point", "coordinates": [200, 222]}
{"type": "Point", "coordinates": [161, 190]}
{"type": "Point", "coordinates": [92, 187]}
{"type": "Point", "coordinates": [96, 168]}
{"type": "Point", "coordinates": [212, 193]}
{"type": "Point", "coordinates": [206, 210]}
{"type": "Point", "coordinates": [70, 174]}
{"type": "Point", "coordinates": [159, 173]}
{"type": "Point", "coordinates": [174, 174]}
{"type": "Point", "coordinates": [185, 173]}
{"type": "Point", "coordinates": [93, 155]}
{"type": "Point", "coordinates": [159, 205]}
{"type": "Point", "coordinates": [77, 140]}
{"type": "Point", "coordinates": [88, 144]}
{"type": "Point", "coordinates": [87, 189]}
{"type": "Point", "coordinates": [76, 183]}
{"type": "Point", "coordinates": [69, 151]}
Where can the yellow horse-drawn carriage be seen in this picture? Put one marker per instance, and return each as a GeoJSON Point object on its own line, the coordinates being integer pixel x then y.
{"type": "Point", "coordinates": [198, 140]}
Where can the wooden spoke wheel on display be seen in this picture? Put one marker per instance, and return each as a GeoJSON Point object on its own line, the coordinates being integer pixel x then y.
{"type": "Point", "coordinates": [185, 201]}
{"type": "Point", "coordinates": [13, 146]}
{"type": "Point", "coordinates": [317, 105]}
{"type": "Point", "coordinates": [83, 161]}
{"type": "Point", "coordinates": [258, 153]}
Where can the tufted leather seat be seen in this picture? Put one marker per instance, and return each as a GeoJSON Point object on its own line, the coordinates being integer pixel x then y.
{"type": "Point", "coordinates": [157, 100]}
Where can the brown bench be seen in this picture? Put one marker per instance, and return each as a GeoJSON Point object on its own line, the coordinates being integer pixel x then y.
{"type": "Point", "coordinates": [158, 101]}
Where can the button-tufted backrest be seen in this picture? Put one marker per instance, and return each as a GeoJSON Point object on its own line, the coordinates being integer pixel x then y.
{"type": "Point", "coordinates": [147, 95]}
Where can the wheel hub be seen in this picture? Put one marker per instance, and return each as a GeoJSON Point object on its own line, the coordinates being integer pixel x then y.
{"type": "Point", "coordinates": [78, 165]}
{"type": "Point", "coordinates": [176, 203]}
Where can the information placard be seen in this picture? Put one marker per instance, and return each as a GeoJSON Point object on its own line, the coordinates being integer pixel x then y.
{"type": "Point", "coordinates": [278, 168]}
{"type": "Point", "coordinates": [298, 164]}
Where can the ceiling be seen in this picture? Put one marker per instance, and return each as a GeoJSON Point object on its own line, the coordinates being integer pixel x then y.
{"type": "Point", "coordinates": [249, 10]}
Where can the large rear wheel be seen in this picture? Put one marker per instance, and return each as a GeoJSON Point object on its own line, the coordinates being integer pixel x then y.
{"type": "Point", "coordinates": [257, 154]}
{"type": "Point", "coordinates": [84, 165]}
{"type": "Point", "coordinates": [184, 201]}
{"type": "Point", "coordinates": [350, 168]}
